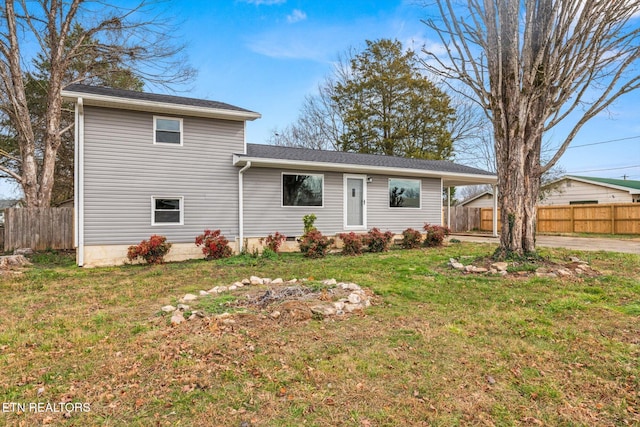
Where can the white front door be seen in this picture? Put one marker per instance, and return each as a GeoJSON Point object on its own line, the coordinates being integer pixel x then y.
{"type": "Point", "coordinates": [355, 201]}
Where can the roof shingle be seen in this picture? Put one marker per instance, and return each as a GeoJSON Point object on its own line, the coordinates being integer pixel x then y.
{"type": "Point", "coordinates": [153, 97]}
{"type": "Point", "coordinates": [347, 158]}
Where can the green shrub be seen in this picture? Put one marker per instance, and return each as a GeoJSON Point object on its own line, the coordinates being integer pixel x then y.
{"type": "Point", "coordinates": [214, 244]}
{"type": "Point", "coordinates": [435, 235]}
{"type": "Point", "coordinates": [377, 241]}
{"type": "Point", "coordinates": [411, 239]}
{"type": "Point", "coordinates": [268, 253]}
{"type": "Point", "coordinates": [352, 243]}
{"type": "Point", "coordinates": [152, 250]}
{"type": "Point", "coordinates": [309, 221]}
{"type": "Point", "coordinates": [314, 245]}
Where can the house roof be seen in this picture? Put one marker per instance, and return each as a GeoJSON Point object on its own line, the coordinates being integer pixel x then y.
{"type": "Point", "coordinates": [325, 160]}
{"type": "Point", "coordinates": [165, 104]}
{"type": "Point", "coordinates": [633, 187]}
{"type": "Point", "coordinates": [476, 197]}
{"type": "Point", "coordinates": [9, 203]}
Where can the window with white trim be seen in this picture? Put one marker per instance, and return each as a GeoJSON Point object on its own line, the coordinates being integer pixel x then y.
{"type": "Point", "coordinates": [167, 210]}
{"type": "Point", "coordinates": [404, 193]}
{"type": "Point", "coordinates": [167, 130]}
{"type": "Point", "coordinates": [302, 190]}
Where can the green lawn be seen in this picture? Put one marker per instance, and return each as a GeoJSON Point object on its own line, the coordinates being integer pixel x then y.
{"type": "Point", "coordinates": [438, 348]}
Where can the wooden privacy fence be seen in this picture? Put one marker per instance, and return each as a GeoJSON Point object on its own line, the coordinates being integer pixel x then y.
{"type": "Point", "coordinates": [38, 228]}
{"type": "Point", "coordinates": [616, 218]}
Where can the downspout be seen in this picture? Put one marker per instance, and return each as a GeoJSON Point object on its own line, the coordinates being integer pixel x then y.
{"type": "Point", "coordinates": [78, 199]}
{"type": "Point", "coordinates": [495, 210]}
{"type": "Point", "coordinates": [241, 204]}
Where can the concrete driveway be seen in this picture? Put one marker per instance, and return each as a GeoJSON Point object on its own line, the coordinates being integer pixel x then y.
{"type": "Point", "coordinates": [631, 246]}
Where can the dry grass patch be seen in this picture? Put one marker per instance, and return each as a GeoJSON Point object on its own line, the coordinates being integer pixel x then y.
{"type": "Point", "coordinates": [437, 347]}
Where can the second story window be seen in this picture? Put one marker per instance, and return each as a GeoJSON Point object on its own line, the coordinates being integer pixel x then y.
{"type": "Point", "coordinates": [167, 130]}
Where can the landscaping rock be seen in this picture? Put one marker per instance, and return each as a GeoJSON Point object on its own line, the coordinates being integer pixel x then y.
{"type": "Point", "coordinates": [277, 281]}
{"type": "Point", "coordinates": [350, 308]}
{"type": "Point", "coordinates": [23, 251]}
{"type": "Point", "coordinates": [500, 266]}
{"type": "Point", "coordinates": [168, 309]}
{"type": "Point", "coordinates": [255, 280]}
{"type": "Point", "coordinates": [8, 262]}
{"type": "Point", "coordinates": [350, 286]}
{"type": "Point", "coordinates": [189, 298]}
{"type": "Point", "coordinates": [177, 318]}
{"type": "Point", "coordinates": [246, 282]}
{"type": "Point", "coordinates": [183, 307]}
{"type": "Point", "coordinates": [330, 282]}
{"type": "Point", "coordinates": [564, 272]}
{"type": "Point", "coordinates": [354, 298]}
{"type": "Point", "coordinates": [457, 266]}
{"type": "Point", "coordinates": [204, 293]}
{"type": "Point", "coordinates": [324, 309]}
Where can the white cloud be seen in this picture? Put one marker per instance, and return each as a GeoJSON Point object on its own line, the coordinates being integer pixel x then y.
{"type": "Point", "coordinates": [296, 16]}
{"type": "Point", "coordinates": [264, 2]}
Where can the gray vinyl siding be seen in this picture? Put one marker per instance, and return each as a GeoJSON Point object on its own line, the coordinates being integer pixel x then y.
{"type": "Point", "coordinates": [123, 170]}
{"type": "Point", "coordinates": [264, 213]}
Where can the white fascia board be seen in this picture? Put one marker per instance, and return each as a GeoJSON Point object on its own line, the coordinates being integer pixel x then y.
{"type": "Point", "coordinates": [158, 107]}
{"type": "Point", "coordinates": [598, 183]}
{"type": "Point", "coordinates": [452, 178]}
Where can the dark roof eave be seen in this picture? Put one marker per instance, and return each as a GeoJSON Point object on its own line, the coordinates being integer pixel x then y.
{"type": "Point", "coordinates": [161, 104]}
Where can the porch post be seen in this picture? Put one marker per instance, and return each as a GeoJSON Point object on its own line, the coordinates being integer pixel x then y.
{"type": "Point", "coordinates": [495, 210]}
{"type": "Point", "coordinates": [449, 207]}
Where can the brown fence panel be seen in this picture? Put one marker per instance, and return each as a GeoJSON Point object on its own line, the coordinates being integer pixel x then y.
{"type": "Point", "coordinates": [555, 219]}
{"type": "Point", "coordinates": [627, 218]}
{"type": "Point", "coordinates": [38, 228]}
{"type": "Point", "coordinates": [620, 218]}
{"type": "Point", "coordinates": [486, 219]}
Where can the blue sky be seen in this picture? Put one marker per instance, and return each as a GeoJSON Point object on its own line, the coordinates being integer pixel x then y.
{"type": "Point", "coordinates": [267, 55]}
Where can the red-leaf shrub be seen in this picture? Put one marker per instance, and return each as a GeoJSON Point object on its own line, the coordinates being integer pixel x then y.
{"type": "Point", "coordinates": [352, 243]}
{"type": "Point", "coordinates": [152, 250]}
{"type": "Point", "coordinates": [273, 241]}
{"type": "Point", "coordinates": [435, 235]}
{"type": "Point", "coordinates": [314, 245]}
{"type": "Point", "coordinates": [214, 244]}
{"type": "Point", "coordinates": [377, 241]}
{"type": "Point", "coordinates": [411, 239]}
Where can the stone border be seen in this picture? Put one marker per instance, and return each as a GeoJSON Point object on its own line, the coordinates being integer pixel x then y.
{"type": "Point", "coordinates": [357, 299]}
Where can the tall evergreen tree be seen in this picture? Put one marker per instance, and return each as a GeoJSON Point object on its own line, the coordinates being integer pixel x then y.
{"type": "Point", "coordinates": [377, 101]}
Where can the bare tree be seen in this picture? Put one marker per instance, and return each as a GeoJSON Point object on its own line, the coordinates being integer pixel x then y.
{"type": "Point", "coordinates": [136, 33]}
{"type": "Point", "coordinates": [533, 64]}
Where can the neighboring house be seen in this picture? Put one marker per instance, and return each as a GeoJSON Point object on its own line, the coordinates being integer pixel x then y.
{"type": "Point", "coordinates": [6, 204]}
{"type": "Point", "coordinates": [482, 200]}
{"type": "Point", "coordinates": [573, 190]}
{"type": "Point", "coordinates": [158, 164]}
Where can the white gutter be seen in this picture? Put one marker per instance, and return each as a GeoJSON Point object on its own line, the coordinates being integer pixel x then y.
{"type": "Point", "coordinates": [78, 199]}
{"type": "Point", "coordinates": [241, 205]}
